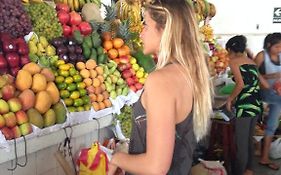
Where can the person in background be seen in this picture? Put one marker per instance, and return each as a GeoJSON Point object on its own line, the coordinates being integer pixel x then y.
{"type": "Point", "coordinates": [247, 102]}
{"type": "Point", "coordinates": [269, 63]}
{"type": "Point", "coordinates": [174, 109]}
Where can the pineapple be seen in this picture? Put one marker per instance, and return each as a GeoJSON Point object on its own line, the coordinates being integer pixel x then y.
{"type": "Point", "coordinates": [110, 16]}
{"type": "Point", "coordinates": [105, 31]}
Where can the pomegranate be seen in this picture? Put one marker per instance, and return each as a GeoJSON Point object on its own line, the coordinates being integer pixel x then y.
{"type": "Point", "coordinates": [63, 17]}
{"type": "Point", "coordinates": [75, 18]}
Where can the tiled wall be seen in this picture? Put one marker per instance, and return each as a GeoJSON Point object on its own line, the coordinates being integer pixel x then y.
{"type": "Point", "coordinates": [43, 162]}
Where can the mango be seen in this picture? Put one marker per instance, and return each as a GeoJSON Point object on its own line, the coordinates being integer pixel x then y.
{"type": "Point", "coordinates": [35, 118]}
{"type": "Point", "coordinates": [53, 91]}
{"type": "Point", "coordinates": [32, 68]}
{"type": "Point", "coordinates": [49, 118]}
{"type": "Point", "coordinates": [43, 101]}
{"type": "Point", "coordinates": [60, 112]}
{"type": "Point", "coordinates": [23, 80]}
{"type": "Point", "coordinates": [27, 98]}
{"type": "Point", "coordinates": [39, 82]}
{"type": "Point", "coordinates": [49, 75]}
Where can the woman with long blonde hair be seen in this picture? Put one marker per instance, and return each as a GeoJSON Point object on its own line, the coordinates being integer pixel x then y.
{"type": "Point", "coordinates": [174, 109]}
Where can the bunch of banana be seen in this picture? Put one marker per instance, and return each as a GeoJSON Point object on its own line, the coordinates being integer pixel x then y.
{"type": "Point", "coordinates": [131, 10]}
{"type": "Point", "coordinates": [208, 32]}
{"type": "Point", "coordinates": [74, 5]}
{"type": "Point", "coordinates": [31, 1]}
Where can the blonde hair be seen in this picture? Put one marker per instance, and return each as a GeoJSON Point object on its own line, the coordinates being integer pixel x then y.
{"type": "Point", "coordinates": [180, 42]}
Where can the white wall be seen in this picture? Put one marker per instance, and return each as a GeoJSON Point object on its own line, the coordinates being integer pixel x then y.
{"type": "Point", "coordinates": [242, 17]}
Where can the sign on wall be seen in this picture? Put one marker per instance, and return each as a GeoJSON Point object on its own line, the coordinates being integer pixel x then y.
{"type": "Point", "coordinates": [277, 15]}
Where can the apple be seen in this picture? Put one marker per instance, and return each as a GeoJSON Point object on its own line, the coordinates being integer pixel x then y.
{"type": "Point", "coordinates": [4, 107]}
{"type": "Point", "coordinates": [8, 133]}
{"type": "Point", "coordinates": [14, 71]}
{"type": "Point", "coordinates": [133, 88]}
{"type": "Point", "coordinates": [2, 121]}
{"type": "Point", "coordinates": [24, 59]}
{"type": "Point", "coordinates": [16, 131]}
{"type": "Point", "coordinates": [14, 104]}
{"type": "Point", "coordinates": [122, 67]}
{"type": "Point", "coordinates": [138, 86]}
{"type": "Point", "coordinates": [124, 59]}
{"type": "Point", "coordinates": [130, 81]}
{"type": "Point", "coordinates": [63, 17]}
{"type": "Point", "coordinates": [126, 74]}
{"type": "Point", "coordinates": [25, 129]}
{"type": "Point", "coordinates": [8, 91]}
{"type": "Point", "coordinates": [13, 59]}
{"type": "Point", "coordinates": [91, 89]}
{"type": "Point", "coordinates": [21, 117]}
{"type": "Point", "coordinates": [66, 30]}
{"type": "Point", "coordinates": [9, 78]}
{"type": "Point", "coordinates": [10, 119]}
{"type": "Point", "coordinates": [3, 62]}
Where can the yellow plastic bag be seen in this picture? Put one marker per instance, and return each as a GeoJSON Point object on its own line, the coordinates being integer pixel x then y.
{"type": "Point", "coordinates": [92, 161]}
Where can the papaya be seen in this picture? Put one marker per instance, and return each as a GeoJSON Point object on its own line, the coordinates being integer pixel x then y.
{"type": "Point", "coordinates": [23, 80]}
{"type": "Point", "coordinates": [39, 82]}
{"type": "Point", "coordinates": [60, 112]}
{"type": "Point", "coordinates": [43, 102]}
{"type": "Point", "coordinates": [53, 91]}
{"type": "Point", "coordinates": [32, 68]}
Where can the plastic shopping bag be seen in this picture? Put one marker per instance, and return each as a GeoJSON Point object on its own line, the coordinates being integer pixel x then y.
{"type": "Point", "coordinates": [275, 149]}
{"type": "Point", "coordinates": [92, 161]}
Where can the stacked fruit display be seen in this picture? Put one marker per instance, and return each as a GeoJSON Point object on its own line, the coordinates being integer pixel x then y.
{"type": "Point", "coordinates": [71, 87]}
{"type": "Point", "coordinates": [15, 54]}
{"type": "Point", "coordinates": [218, 62]}
{"type": "Point", "coordinates": [13, 120]}
{"type": "Point", "coordinates": [94, 81]}
{"type": "Point", "coordinates": [14, 19]}
{"type": "Point", "coordinates": [76, 5]}
{"type": "Point", "coordinates": [39, 95]}
{"type": "Point", "coordinates": [44, 20]}
{"type": "Point", "coordinates": [114, 83]}
{"type": "Point", "coordinates": [71, 21]}
{"type": "Point", "coordinates": [41, 51]}
{"type": "Point", "coordinates": [68, 50]}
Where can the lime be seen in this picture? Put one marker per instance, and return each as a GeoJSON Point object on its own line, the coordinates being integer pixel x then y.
{"type": "Point", "coordinates": [77, 78]}
{"type": "Point", "coordinates": [87, 107]}
{"type": "Point", "coordinates": [64, 73]}
{"type": "Point", "coordinates": [71, 109]}
{"type": "Point", "coordinates": [72, 71]}
{"type": "Point", "coordinates": [78, 102]}
{"type": "Point", "coordinates": [59, 79]}
{"type": "Point", "coordinates": [71, 87]}
{"type": "Point", "coordinates": [68, 101]}
{"type": "Point", "coordinates": [82, 92]}
{"type": "Point", "coordinates": [80, 108]}
{"type": "Point", "coordinates": [86, 100]}
{"type": "Point", "coordinates": [81, 85]}
{"type": "Point", "coordinates": [64, 94]}
{"type": "Point", "coordinates": [64, 67]}
{"type": "Point", "coordinates": [68, 80]}
{"type": "Point", "coordinates": [60, 62]}
{"type": "Point", "coordinates": [61, 86]}
{"type": "Point", "coordinates": [75, 95]}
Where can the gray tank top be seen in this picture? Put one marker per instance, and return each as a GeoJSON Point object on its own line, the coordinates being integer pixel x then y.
{"type": "Point", "coordinates": [185, 141]}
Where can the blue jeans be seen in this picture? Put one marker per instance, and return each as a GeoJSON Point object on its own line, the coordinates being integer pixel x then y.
{"type": "Point", "coordinates": [274, 103]}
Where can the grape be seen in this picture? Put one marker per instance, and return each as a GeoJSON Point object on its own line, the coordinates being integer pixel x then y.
{"type": "Point", "coordinates": [125, 119]}
{"type": "Point", "coordinates": [11, 12]}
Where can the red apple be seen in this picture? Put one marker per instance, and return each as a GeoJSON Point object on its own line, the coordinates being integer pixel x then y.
{"type": "Point", "coordinates": [62, 7]}
{"type": "Point", "coordinates": [13, 59]}
{"type": "Point", "coordinates": [63, 17]}
{"type": "Point", "coordinates": [22, 48]}
{"type": "Point", "coordinates": [24, 59]}
{"type": "Point", "coordinates": [85, 28]}
{"type": "Point", "coordinates": [126, 74]}
{"type": "Point", "coordinates": [67, 30]}
{"type": "Point", "coordinates": [9, 46]}
{"type": "Point", "coordinates": [10, 119]}
{"type": "Point", "coordinates": [2, 121]}
{"type": "Point", "coordinates": [15, 70]}
{"type": "Point", "coordinates": [4, 107]}
{"type": "Point", "coordinates": [75, 18]}
{"type": "Point", "coordinates": [130, 81]}
{"type": "Point", "coordinates": [16, 131]}
{"type": "Point", "coordinates": [14, 104]}
{"type": "Point", "coordinates": [21, 117]}
{"type": "Point", "coordinates": [8, 133]}
{"type": "Point", "coordinates": [138, 86]}
{"type": "Point", "coordinates": [25, 129]}
{"type": "Point", "coordinates": [133, 88]}
{"type": "Point", "coordinates": [8, 91]}
{"type": "Point", "coordinates": [124, 59]}
{"type": "Point", "coordinates": [3, 62]}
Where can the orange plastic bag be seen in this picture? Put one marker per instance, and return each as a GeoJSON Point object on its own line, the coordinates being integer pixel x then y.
{"type": "Point", "coordinates": [92, 161]}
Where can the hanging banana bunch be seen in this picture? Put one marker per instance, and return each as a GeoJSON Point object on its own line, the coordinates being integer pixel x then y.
{"type": "Point", "coordinates": [130, 9]}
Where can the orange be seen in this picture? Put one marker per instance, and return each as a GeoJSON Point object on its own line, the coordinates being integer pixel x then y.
{"type": "Point", "coordinates": [93, 73]}
{"type": "Point", "coordinates": [127, 49]}
{"type": "Point", "coordinates": [88, 81]}
{"type": "Point", "coordinates": [100, 98]}
{"type": "Point", "coordinates": [96, 82]}
{"type": "Point", "coordinates": [96, 106]}
{"type": "Point", "coordinates": [99, 70]}
{"type": "Point", "coordinates": [122, 52]}
{"type": "Point", "coordinates": [85, 73]}
{"type": "Point", "coordinates": [107, 45]}
{"type": "Point", "coordinates": [117, 60]}
{"type": "Point", "coordinates": [117, 43]}
{"type": "Point", "coordinates": [91, 64]}
{"type": "Point", "coordinates": [107, 103]}
{"type": "Point", "coordinates": [106, 36]}
{"type": "Point", "coordinates": [80, 65]}
{"type": "Point", "coordinates": [112, 53]}
{"type": "Point", "coordinates": [101, 105]}
{"type": "Point", "coordinates": [93, 97]}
